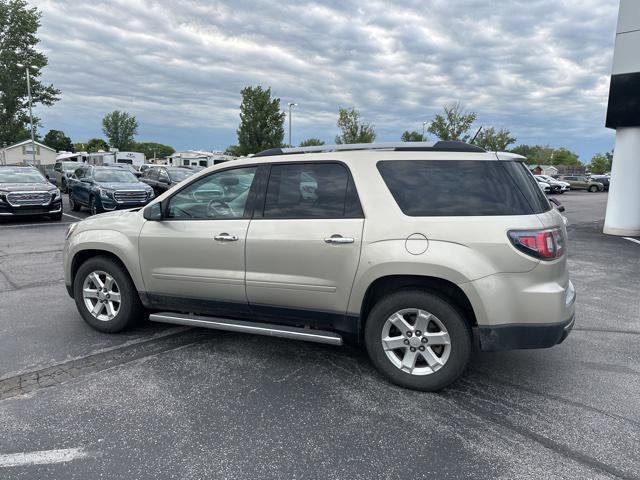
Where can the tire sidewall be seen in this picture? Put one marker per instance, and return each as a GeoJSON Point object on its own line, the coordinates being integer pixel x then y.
{"type": "Point", "coordinates": [130, 309]}
{"type": "Point", "coordinates": [459, 333]}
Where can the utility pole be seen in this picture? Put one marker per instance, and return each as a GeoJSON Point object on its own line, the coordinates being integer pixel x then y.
{"type": "Point", "coordinates": [424, 124]}
{"type": "Point", "coordinates": [290, 106]}
{"type": "Point", "coordinates": [33, 142]}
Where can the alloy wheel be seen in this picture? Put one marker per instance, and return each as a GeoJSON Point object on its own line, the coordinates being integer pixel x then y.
{"type": "Point", "coordinates": [416, 341]}
{"type": "Point", "coordinates": [101, 295]}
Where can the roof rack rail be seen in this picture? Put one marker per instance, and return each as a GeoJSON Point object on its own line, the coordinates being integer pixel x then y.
{"type": "Point", "coordinates": [441, 146]}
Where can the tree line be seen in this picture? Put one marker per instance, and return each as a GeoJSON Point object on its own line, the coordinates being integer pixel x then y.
{"type": "Point", "coordinates": [262, 127]}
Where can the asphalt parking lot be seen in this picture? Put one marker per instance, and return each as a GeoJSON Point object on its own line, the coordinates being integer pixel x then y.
{"type": "Point", "coordinates": [163, 402]}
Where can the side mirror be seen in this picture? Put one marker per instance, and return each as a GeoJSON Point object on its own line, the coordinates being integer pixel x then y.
{"type": "Point", "coordinates": [153, 212]}
{"type": "Point", "coordinates": [165, 181]}
{"type": "Point", "coordinates": [557, 204]}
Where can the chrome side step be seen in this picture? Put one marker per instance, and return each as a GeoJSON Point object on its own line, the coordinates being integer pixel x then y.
{"type": "Point", "coordinates": [269, 329]}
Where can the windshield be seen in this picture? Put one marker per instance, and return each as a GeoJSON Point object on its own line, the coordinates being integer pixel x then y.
{"type": "Point", "coordinates": [114, 176]}
{"type": "Point", "coordinates": [70, 167]}
{"type": "Point", "coordinates": [180, 174]}
{"type": "Point", "coordinates": [21, 176]}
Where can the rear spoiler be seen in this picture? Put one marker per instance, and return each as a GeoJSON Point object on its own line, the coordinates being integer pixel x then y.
{"type": "Point", "coordinates": [508, 156]}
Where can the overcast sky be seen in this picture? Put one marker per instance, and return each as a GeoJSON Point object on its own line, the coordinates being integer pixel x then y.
{"type": "Point", "coordinates": [538, 67]}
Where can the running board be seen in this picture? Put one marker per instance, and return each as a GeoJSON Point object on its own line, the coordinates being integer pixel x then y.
{"type": "Point", "coordinates": [268, 329]}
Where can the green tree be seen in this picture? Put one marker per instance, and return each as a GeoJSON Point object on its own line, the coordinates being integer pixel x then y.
{"type": "Point", "coordinates": [494, 140]}
{"type": "Point", "coordinates": [454, 124]}
{"type": "Point", "coordinates": [233, 150]}
{"type": "Point", "coordinates": [151, 149]}
{"type": "Point", "coordinates": [261, 121]}
{"type": "Point", "coordinates": [120, 128]}
{"type": "Point", "coordinates": [412, 136]}
{"type": "Point", "coordinates": [311, 142]}
{"type": "Point", "coordinates": [535, 154]}
{"type": "Point", "coordinates": [563, 156]}
{"type": "Point", "coordinates": [18, 40]}
{"type": "Point", "coordinates": [601, 163]}
{"type": "Point", "coordinates": [57, 140]}
{"type": "Point", "coordinates": [95, 145]}
{"type": "Point", "coordinates": [353, 129]}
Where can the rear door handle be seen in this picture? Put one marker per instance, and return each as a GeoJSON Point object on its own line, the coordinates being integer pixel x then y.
{"type": "Point", "coordinates": [338, 239]}
{"type": "Point", "coordinates": [225, 237]}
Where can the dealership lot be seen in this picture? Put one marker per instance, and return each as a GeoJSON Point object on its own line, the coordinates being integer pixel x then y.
{"type": "Point", "coordinates": [164, 402]}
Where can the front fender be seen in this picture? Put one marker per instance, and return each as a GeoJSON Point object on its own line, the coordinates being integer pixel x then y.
{"type": "Point", "coordinates": [123, 246]}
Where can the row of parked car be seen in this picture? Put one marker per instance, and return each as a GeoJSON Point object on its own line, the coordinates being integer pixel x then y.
{"type": "Point", "coordinates": [592, 183]}
{"type": "Point", "coordinates": [107, 188]}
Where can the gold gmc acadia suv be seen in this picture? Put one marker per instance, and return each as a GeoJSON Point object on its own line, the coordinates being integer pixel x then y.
{"type": "Point", "coordinates": [416, 250]}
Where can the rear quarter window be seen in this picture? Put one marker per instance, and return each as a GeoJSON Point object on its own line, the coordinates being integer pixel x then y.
{"type": "Point", "coordinates": [436, 188]}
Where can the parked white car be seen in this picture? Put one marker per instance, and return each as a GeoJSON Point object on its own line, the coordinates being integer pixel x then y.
{"type": "Point", "coordinates": [544, 186]}
{"type": "Point", "coordinates": [564, 186]}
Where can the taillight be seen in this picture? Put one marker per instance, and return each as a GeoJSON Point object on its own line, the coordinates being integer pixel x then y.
{"type": "Point", "coordinates": [547, 244]}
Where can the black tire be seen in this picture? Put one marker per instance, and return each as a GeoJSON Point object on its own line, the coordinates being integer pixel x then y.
{"type": "Point", "coordinates": [593, 188]}
{"type": "Point", "coordinates": [63, 186]}
{"type": "Point", "coordinates": [449, 316]}
{"type": "Point", "coordinates": [56, 217]}
{"type": "Point", "coordinates": [130, 309]}
{"type": "Point", "coordinates": [74, 205]}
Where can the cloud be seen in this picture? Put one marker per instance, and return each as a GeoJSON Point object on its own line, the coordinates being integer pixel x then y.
{"type": "Point", "coordinates": [538, 67]}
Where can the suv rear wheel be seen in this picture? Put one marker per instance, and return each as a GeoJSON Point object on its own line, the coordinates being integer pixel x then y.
{"type": "Point", "coordinates": [593, 188]}
{"type": "Point", "coordinates": [418, 340]}
{"type": "Point", "coordinates": [105, 295]}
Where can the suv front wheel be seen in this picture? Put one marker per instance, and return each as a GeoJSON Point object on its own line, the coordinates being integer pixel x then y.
{"type": "Point", "coordinates": [105, 295]}
{"type": "Point", "coordinates": [418, 340]}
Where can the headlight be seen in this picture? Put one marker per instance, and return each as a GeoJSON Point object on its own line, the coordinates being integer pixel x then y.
{"type": "Point", "coordinates": [105, 192]}
{"type": "Point", "coordinates": [57, 195]}
{"type": "Point", "coordinates": [3, 196]}
{"type": "Point", "coordinates": [70, 230]}
{"type": "Point", "coordinates": [150, 193]}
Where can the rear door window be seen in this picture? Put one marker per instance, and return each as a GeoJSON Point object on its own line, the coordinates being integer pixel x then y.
{"type": "Point", "coordinates": [311, 190]}
{"type": "Point", "coordinates": [426, 188]}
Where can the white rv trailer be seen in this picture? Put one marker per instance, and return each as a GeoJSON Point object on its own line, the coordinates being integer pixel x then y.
{"type": "Point", "coordinates": [105, 158]}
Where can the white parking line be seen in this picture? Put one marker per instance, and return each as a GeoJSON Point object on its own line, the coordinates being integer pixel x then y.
{"type": "Point", "coordinates": [33, 224]}
{"type": "Point", "coordinates": [631, 239]}
{"type": "Point", "coordinates": [72, 216]}
{"type": "Point", "coordinates": [42, 458]}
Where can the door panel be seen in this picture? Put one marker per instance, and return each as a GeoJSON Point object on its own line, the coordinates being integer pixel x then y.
{"type": "Point", "coordinates": [289, 263]}
{"type": "Point", "coordinates": [197, 250]}
{"type": "Point", "coordinates": [182, 258]}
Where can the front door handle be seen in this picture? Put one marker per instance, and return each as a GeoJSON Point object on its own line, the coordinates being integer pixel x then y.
{"type": "Point", "coordinates": [225, 237]}
{"type": "Point", "coordinates": [338, 239]}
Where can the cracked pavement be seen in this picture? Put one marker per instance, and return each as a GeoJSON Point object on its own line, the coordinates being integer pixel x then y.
{"type": "Point", "coordinates": [160, 402]}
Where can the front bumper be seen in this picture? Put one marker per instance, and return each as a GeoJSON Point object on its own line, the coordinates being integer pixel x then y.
{"type": "Point", "coordinates": [7, 210]}
{"type": "Point", "coordinates": [110, 205]}
{"type": "Point", "coordinates": [521, 336]}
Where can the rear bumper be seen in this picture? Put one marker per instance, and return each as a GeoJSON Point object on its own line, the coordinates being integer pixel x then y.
{"type": "Point", "coordinates": [522, 336]}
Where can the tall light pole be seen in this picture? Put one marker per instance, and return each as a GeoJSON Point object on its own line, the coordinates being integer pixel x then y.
{"type": "Point", "coordinates": [33, 142]}
{"type": "Point", "coordinates": [424, 124]}
{"type": "Point", "coordinates": [290, 105]}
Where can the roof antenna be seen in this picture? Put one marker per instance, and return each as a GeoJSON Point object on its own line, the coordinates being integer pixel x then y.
{"type": "Point", "coordinates": [474, 137]}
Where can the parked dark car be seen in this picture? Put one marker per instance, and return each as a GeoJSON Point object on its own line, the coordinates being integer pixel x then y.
{"type": "Point", "coordinates": [125, 166]}
{"type": "Point", "coordinates": [603, 179]}
{"type": "Point", "coordinates": [103, 189]}
{"type": "Point", "coordinates": [25, 191]}
{"type": "Point", "coordinates": [61, 173]}
{"type": "Point", "coordinates": [162, 179]}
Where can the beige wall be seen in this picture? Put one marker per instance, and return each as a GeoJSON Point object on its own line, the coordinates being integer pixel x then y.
{"type": "Point", "coordinates": [18, 155]}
